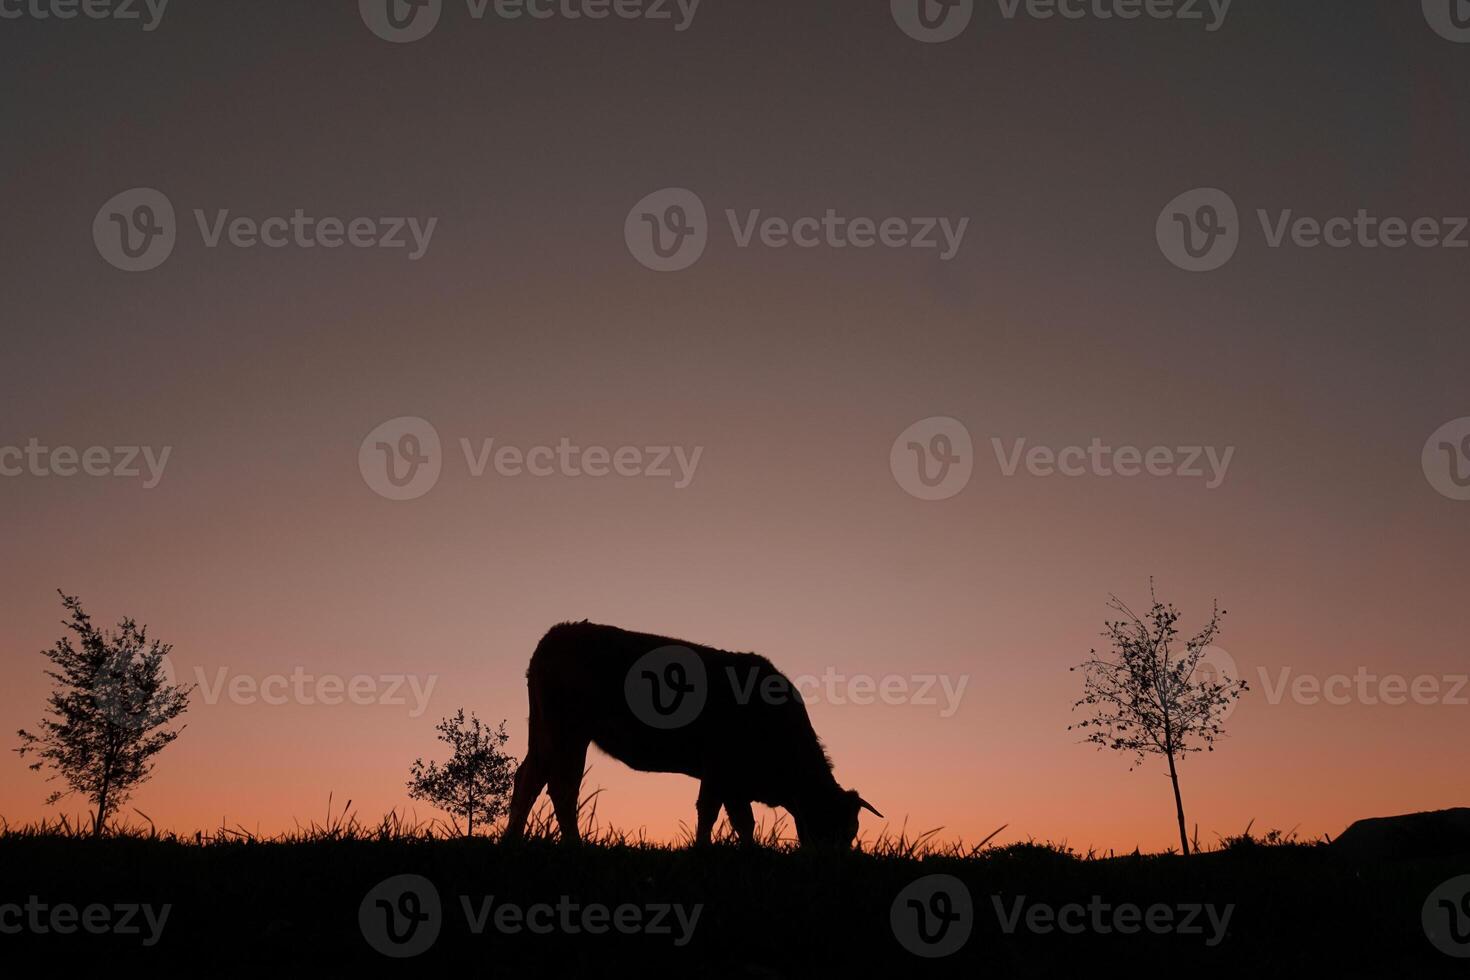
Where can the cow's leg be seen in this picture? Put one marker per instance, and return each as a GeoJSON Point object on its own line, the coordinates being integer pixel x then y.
{"type": "Point", "coordinates": [529, 782]}
{"type": "Point", "coordinates": [564, 784]}
{"type": "Point", "coordinates": [741, 819]}
{"type": "Point", "coordinates": [707, 809]}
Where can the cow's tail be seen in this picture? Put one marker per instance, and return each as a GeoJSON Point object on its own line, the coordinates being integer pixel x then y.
{"type": "Point", "coordinates": [530, 778]}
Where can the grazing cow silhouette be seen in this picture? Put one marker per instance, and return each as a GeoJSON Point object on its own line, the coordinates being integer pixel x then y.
{"type": "Point", "coordinates": [730, 720]}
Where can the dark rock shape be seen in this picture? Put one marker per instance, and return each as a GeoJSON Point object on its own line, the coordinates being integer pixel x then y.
{"type": "Point", "coordinates": [1412, 835]}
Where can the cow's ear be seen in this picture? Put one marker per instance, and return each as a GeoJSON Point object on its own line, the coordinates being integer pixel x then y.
{"type": "Point", "coordinates": [865, 805]}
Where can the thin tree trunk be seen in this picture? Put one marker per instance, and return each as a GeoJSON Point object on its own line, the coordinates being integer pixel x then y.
{"type": "Point", "coordinates": [104, 792]}
{"type": "Point", "coordinates": [101, 811]}
{"type": "Point", "coordinates": [1178, 807]}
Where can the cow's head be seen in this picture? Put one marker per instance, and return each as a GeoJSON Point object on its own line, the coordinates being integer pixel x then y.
{"type": "Point", "coordinates": [831, 818]}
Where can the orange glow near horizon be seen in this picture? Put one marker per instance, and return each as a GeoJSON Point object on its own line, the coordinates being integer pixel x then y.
{"type": "Point", "coordinates": [429, 596]}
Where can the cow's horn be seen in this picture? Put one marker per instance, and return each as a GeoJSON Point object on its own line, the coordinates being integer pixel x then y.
{"type": "Point", "coordinates": [864, 804]}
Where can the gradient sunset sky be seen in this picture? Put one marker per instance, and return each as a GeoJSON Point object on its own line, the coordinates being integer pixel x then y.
{"type": "Point", "coordinates": [263, 550]}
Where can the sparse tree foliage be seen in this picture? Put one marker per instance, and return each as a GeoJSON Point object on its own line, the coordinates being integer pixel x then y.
{"type": "Point", "coordinates": [110, 712]}
{"type": "Point", "coordinates": [1145, 698]}
{"type": "Point", "coordinates": [475, 783]}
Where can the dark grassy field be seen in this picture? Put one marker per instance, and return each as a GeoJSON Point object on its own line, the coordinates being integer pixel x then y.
{"type": "Point", "coordinates": [239, 905]}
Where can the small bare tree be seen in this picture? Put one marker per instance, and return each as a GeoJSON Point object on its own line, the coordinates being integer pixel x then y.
{"type": "Point", "coordinates": [475, 783]}
{"type": "Point", "coordinates": [1146, 698]}
{"type": "Point", "coordinates": [109, 713]}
